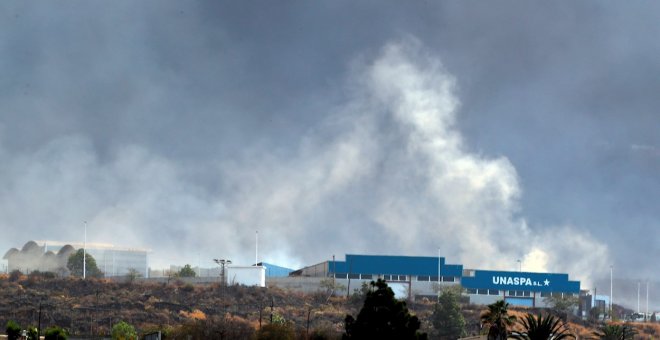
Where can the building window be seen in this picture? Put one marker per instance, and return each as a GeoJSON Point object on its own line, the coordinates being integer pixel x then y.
{"type": "Point", "coordinates": [545, 294]}
{"type": "Point", "coordinates": [471, 291]}
{"type": "Point", "coordinates": [448, 279]}
{"type": "Point", "coordinates": [366, 276]}
{"type": "Point", "coordinates": [434, 278]}
{"type": "Point", "coordinates": [387, 277]}
{"type": "Point", "coordinates": [493, 292]}
{"type": "Point", "coordinates": [340, 276]}
{"type": "Point", "coordinates": [353, 276]}
{"type": "Point", "coordinates": [482, 291]}
{"type": "Point", "coordinates": [422, 278]}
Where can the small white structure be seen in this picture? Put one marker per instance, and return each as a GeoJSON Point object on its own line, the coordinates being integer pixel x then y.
{"type": "Point", "coordinates": [246, 275]}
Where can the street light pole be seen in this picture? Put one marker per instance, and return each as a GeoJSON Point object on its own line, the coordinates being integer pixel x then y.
{"type": "Point", "coordinates": [611, 291]}
{"type": "Point", "coordinates": [85, 251]}
{"type": "Point", "coordinates": [639, 286]}
{"type": "Point", "coordinates": [647, 300]}
{"type": "Point", "coordinates": [222, 263]}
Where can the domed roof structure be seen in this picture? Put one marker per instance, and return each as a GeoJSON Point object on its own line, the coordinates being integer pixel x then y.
{"type": "Point", "coordinates": [66, 251]}
{"type": "Point", "coordinates": [11, 252]}
{"type": "Point", "coordinates": [31, 247]}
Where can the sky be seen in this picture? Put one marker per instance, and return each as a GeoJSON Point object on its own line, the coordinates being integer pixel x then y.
{"type": "Point", "coordinates": [486, 132]}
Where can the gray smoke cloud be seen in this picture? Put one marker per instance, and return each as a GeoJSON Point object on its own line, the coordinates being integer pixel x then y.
{"type": "Point", "coordinates": [397, 160]}
{"type": "Point", "coordinates": [388, 172]}
{"type": "Point", "coordinates": [494, 133]}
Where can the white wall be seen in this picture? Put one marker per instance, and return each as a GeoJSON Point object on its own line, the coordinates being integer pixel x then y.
{"type": "Point", "coordinates": [246, 275]}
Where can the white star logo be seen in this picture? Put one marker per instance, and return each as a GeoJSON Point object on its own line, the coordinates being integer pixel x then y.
{"type": "Point", "coordinates": [547, 283]}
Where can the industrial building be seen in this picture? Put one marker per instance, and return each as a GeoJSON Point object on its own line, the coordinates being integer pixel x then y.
{"type": "Point", "coordinates": [53, 256]}
{"type": "Point", "coordinates": [420, 276]}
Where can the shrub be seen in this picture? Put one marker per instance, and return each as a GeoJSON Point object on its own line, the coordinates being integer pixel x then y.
{"type": "Point", "coordinates": [55, 333]}
{"type": "Point", "coordinates": [32, 333]}
{"type": "Point", "coordinates": [228, 327]}
{"type": "Point", "coordinates": [275, 331]}
{"type": "Point", "coordinates": [123, 331]}
{"type": "Point", "coordinates": [13, 330]}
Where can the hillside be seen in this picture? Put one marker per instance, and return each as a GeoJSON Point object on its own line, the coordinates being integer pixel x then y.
{"type": "Point", "coordinates": [91, 307]}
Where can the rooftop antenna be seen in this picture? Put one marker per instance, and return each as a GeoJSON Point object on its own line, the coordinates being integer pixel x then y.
{"type": "Point", "coordinates": [256, 248]}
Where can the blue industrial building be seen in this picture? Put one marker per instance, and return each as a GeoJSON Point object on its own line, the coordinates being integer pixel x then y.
{"type": "Point", "coordinates": [275, 270]}
{"type": "Point", "coordinates": [422, 276]}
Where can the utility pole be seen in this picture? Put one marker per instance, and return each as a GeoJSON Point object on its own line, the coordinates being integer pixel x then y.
{"type": "Point", "coordinates": [594, 302]}
{"type": "Point", "coordinates": [39, 326]}
{"type": "Point", "coordinates": [439, 276]}
{"type": "Point", "coordinates": [334, 274]}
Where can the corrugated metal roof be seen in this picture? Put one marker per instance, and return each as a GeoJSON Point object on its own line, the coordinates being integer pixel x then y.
{"type": "Point", "coordinates": [393, 264]}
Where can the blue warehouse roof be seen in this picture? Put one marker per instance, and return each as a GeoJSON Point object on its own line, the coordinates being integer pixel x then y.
{"type": "Point", "coordinates": [428, 266]}
{"type": "Point", "coordinates": [399, 265]}
{"type": "Point", "coordinates": [275, 270]}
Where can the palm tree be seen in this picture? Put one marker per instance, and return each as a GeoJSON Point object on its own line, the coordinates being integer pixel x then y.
{"type": "Point", "coordinates": [615, 332]}
{"type": "Point", "coordinates": [542, 328]}
{"type": "Point", "coordinates": [498, 320]}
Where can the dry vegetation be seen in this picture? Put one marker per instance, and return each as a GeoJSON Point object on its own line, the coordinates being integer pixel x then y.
{"type": "Point", "coordinates": [93, 306]}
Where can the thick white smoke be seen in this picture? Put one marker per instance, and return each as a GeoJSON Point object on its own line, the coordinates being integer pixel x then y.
{"type": "Point", "coordinates": [394, 154]}
{"type": "Point", "coordinates": [386, 173]}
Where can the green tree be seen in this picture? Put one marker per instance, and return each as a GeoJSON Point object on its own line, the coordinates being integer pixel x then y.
{"type": "Point", "coordinates": [13, 330]}
{"type": "Point", "coordinates": [498, 320]}
{"type": "Point", "coordinates": [542, 328]}
{"type": "Point", "coordinates": [447, 318]}
{"type": "Point", "coordinates": [75, 265]}
{"type": "Point", "coordinates": [123, 331]}
{"type": "Point", "coordinates": [615, 332]}
{"type": "Point", "coordinates": [187, 271]}
{"type": "Point", "coordinates": [382, 316]}
{"type": "Point", "coordinates": [55, 333]}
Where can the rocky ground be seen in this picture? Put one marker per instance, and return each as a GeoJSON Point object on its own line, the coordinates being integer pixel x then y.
{"type": "Point", "coordinates": [91, 307]}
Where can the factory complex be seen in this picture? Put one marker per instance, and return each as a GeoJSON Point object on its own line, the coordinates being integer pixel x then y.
{"type": "Point", "coordinates": [416, 277]}
{"type": "Point", "coordinates": [411, 277]}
